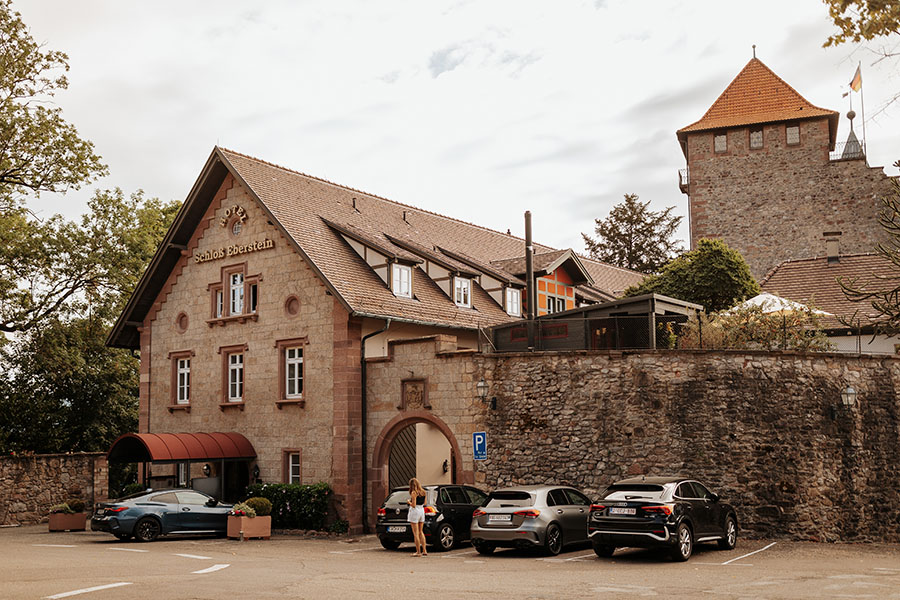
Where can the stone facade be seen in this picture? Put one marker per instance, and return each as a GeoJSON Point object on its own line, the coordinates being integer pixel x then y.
{"type": "Point", "coordinates": [775, 203]}
{"type": "Point", "coordinates": [766, 430]}
{"type": "Point", "coordinates": [30, 485]}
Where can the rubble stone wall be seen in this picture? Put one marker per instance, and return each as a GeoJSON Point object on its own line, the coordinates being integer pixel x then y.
{"type": "Point", "coordinates": [30, 485]}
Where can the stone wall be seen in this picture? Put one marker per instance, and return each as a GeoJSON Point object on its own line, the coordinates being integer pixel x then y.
{"type": "Point", "coordinates": [775, 203]}
{"type": "Point", "coordinates": [30, 485]}
{"type": "Point", "coordinates": [766, 430]}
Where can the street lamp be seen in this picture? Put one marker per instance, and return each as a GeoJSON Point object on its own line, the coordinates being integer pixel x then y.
{"type": "Point", "coordinates": [848, 397]}
{"type": "Point", "coordinates": [482, 388]}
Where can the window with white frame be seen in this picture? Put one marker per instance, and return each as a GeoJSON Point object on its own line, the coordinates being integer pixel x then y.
{"type": "Point", "coordinates": [236, 377]}
{"type": "Point", "coordinates": [462, 291]}
{"type": "Point", "coordinates": [183, 378]}
{"type": "Point", "coordinates": [555, 305]}
{"type": "Point", "coordinates": [220, 303]}
{"type": "Point", "coordinates": [236, 287]}
{"type": "Point", "coordinates": [293, 467]}
{"type": "Point", "coordinates": [401, 278]}
{"type": "Point", "coordinates": [293, 372]}
{"type": "Point", "coordinates": [182, 475]}
{"type": "Point", "coordinates": [513, 302]}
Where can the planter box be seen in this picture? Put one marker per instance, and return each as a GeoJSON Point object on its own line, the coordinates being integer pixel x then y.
{"type": "Point", "coordinates": [68, 522]}
{"type": "Point", "coordinates": [253, 527]}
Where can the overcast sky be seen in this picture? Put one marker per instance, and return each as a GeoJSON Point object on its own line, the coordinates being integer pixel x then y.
{"type": "Point", "coordinates": [477, 110]}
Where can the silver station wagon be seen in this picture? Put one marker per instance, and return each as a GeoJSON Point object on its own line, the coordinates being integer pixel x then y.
{"type": "Point", "coordinates": [533, 516]}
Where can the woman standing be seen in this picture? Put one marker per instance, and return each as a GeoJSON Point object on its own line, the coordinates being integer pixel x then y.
{"type": "Point", "coordinates": [416, 515]}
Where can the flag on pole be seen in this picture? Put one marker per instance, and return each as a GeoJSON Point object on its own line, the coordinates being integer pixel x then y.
{"type": "Point", "coordinates": [856, 83]}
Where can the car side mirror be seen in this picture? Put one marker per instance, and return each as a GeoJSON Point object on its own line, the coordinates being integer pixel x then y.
{"type": "Point", "coordinates": [211, 502]}
{"type": "Point", "coordinates": [714, 497]}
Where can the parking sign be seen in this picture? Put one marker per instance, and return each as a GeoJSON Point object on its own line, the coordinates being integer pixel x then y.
{"type": "Point", "coordinates": [479, 445]}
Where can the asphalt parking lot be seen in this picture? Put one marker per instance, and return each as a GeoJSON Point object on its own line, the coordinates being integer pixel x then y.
{"type": "Point", "coordinates": [93, 566]}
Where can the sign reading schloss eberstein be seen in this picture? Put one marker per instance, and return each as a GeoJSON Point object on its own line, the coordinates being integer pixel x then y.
{"type": "Point", "coordinates": [233, 250]}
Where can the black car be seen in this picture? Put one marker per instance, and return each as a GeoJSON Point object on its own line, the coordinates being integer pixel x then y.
{"type": "Point", "coordinates": [672, 512]}
{"type": "Point", "coordinates": [448, 516]}
{"type": "Point", "coordinates": [152, 513]}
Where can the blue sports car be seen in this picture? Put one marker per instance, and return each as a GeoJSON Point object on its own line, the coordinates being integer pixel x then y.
{"type": "Point", "coordinates": [152, 513]}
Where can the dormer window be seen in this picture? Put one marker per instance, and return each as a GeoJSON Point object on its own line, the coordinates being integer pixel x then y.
{"type": "Point", "coordinates": [513, 302]}
{"type": "Point", "coordinates": [462, 291]}
{"type": "Point", "coordinates": [401, 280]}
{"type": "Point", "coordinates": [720, 142]}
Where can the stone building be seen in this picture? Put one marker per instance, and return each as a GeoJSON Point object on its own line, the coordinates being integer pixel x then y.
{"type": "Point", "coordinates": [766, 174]}
{"type": "Point", "coordinates": [268, 292]}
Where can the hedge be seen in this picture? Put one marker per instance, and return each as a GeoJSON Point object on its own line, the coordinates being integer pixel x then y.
{"type": "Point", "coordinates": [295, 506]}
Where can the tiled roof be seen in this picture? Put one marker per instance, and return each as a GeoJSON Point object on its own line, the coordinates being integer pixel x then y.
{"type": "Point", "coordinates": [815, 281]}
{"type": "Point", "coordinates": [302, 204]}
{"type": "Point", "coordinates": [757, 95]}
{"type": "Point", "coordinates": [541, 261]}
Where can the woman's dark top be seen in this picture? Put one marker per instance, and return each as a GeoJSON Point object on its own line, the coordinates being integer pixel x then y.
{"type": "Point", "coordinates": [420, 500]}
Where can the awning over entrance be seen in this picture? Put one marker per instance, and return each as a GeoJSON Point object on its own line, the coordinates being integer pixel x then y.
{"type": "Point", "coordinates": [178, 447]}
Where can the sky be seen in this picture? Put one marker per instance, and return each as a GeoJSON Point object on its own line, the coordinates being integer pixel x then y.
{"type": "Point", "coordinates": [479, 110]}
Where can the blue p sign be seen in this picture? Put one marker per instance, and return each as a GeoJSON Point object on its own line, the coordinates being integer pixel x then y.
{"type": "Point", "coordinates": [479, 445]}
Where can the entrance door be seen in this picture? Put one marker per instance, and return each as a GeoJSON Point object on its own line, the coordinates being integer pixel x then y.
{"type": "Point", "coordinates": [420, 450]}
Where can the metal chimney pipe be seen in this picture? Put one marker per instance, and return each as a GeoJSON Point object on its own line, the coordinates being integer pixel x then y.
{"type": "Point", "coordinates": [529, 268]}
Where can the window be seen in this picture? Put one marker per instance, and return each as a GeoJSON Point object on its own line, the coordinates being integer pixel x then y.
{"type": "Point", "coordinates": [793, 135]}
{"type": "Point", "coordinates": [293, 372]}
{"type": "Point", "coordinates": [555, 304]}
{"type": "Point", "coordinates": [182, 475]}
{"type": "Point", "coordinates": [193, 498]}
{"type": "Point", "coordinates": [513, 302]}
{"type": "Point", "coordinates": [236, 377]}
{"type": "Point", "coordinates": [756, 139]}
{"type": "Point", "coordinates": [236, 287]}
{"type": "Point", "coordinates": [577, 498]}
{"type": "Point", "coordinates": [401, 276]}
{"type": "Point", "coordinates": [220, 303]}
{"type": "Point", "coordinates": [290, 465]}
{"type": "Point", "coordinates": [254, 297]}
{"type": "Point", "coordinates": [557, 498]}
{"type": "Point", "coordinates": [476, 496]}
{"type": "Point", "coordinates": [183, 378]}
{"type": "Point", "coordinates": [462, 291]}
{"type": "Point", "coordinates": [720, 142]}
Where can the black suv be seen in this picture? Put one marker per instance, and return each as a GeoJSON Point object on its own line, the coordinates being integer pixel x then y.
{"type": "Point", "coordinates": [673, 512]}
{"type": "Point", "coordinates": [448, 516]}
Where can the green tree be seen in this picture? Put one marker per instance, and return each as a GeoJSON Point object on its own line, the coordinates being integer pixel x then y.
{"type": "Point", "coordinates": [634, 237]}
{"type": "Point", "coordinates": [878, 291]}
{"type": "Point", "coordinates": [712, 274]}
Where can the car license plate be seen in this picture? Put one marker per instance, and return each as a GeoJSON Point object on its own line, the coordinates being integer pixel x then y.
{"type": "Point", "coordinates": [614, 510]}
{"type": "Point", "coordinates": [397, 529]}
{"type": "Point", "coordinates": [499, 518]}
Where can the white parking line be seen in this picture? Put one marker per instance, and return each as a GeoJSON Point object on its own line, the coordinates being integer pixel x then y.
{"type": "Point", "coordinates": [728, 562]}
{"type": "Point", "coordinates": [86, 590]}
{"type": "Point", "coordinates": [211, 569]}
{"type": "Point", "coordinates": [886, 569]}
{"type": "Point", "coordinates": [55, 545]}
{"type": "Point", "coordinates": [193, 556]}
{"type": "Point", "coordinates": [355, 550]}
{"type": "Point", "coordinates": [128, 550]}
{"type": "Point", "coordinates": [582, 556]}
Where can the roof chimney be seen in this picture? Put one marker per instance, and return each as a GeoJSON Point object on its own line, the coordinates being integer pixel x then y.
{"type": "Point", "coordinates": [832, 247]}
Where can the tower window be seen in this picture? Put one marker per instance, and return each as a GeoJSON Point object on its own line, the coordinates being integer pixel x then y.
{"type": "Point", "coordinates": [793, 135]}
{"type": "Point", "coordinates": [720, 142]}
{"type": "Point", "coordinates": [756, 139]}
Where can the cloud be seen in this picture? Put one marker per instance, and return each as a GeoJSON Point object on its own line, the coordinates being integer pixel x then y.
{"type": "Point", "coordinates": [445, 60]}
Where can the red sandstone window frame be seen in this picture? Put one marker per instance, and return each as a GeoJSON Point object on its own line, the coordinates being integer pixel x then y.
{"type": "Point", "coordinates": [227, 352]}
{"type": "Point", "coordinates": [282, 346]}
{"type": "Point", "coordinates": [220, 291]}
{"type": "Point", "coordinates": [174, 358]}
{"type": "Point", "coordinates": [286, 465]}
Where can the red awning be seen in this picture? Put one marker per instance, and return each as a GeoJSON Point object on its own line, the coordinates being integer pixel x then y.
{"type": "Point", "coordinates": [177, 447]}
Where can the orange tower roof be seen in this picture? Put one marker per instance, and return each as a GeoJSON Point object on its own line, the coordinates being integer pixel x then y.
{"type": "Point", "coordinates": [757, 95]}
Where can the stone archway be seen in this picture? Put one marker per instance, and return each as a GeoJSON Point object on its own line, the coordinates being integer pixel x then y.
{"type": "Point", "coordinates": [378, 471]}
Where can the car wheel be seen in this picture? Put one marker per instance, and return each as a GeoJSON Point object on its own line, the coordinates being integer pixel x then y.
{"type": "Point", "coordinates": [147, 529]}
{"type": "Point", "coordinates": [730, 540]}
{"type": "Point", "coordinates": [483, 547]}
{"type": "Point", "coordinates": [446, 538]}
{"type": "Point", "coordinates": [685, 543]}
{"type": "Point", "coordinates": [389, 544]}
{"type": "Point", "coordinates": [553, 542]}
{"type": "Point", "coordinates": [604, 551]}
{"type": "Point", "coordinates": [122, 537]}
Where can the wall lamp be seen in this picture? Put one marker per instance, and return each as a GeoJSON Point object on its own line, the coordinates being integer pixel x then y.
{"type": "Point", "coordinates": [848, 397]}
{"type": "Point", "coordinates": [482, 388]}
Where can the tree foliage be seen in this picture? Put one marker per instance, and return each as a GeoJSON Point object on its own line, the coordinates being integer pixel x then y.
{"type": "Point", "coordinates": [634, 237]}
{"type": "Point", "coordinates": [878, 291]}
{"type": "Point", "coordinates": [712, 274]}
{"type": "Point", "coordinates": [39, 150]}
{"type": "Point", "coordinates": [859, 20]}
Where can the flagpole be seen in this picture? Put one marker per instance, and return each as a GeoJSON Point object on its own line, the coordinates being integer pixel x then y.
{"type": "Point", "coordinates": [862, 109]}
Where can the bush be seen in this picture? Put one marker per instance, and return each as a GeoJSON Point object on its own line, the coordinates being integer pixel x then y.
{"type": "Point", "coordinates": [61, 509]}
{"type": "Point", "coordinates": [76, 505]}
{"type": "Point", "coordinates": [340, 526]}
{"type": "Point", "coordinates": [295, 506]}
{"type": "Point", "coordinates": [242, 509]}
{"type": "Point", "coordinates": [262, 506]}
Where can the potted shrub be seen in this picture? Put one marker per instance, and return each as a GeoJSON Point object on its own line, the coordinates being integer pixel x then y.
{"type": "Point", "coordinates": [68, 516]}
{"type": "Point", "coordinates": [250, 519]}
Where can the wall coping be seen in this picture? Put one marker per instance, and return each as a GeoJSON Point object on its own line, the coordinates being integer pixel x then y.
{"type": "Point", "coordinates": [727, 352]}
{"type": "Point", "coordinates": [56, 455]}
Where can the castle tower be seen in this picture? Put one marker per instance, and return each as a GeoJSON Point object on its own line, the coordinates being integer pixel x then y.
{"type": "Point", "coordinates": [762, 174]}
